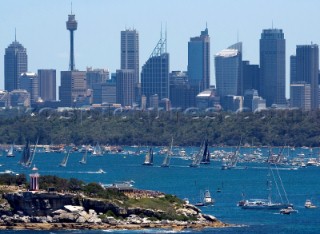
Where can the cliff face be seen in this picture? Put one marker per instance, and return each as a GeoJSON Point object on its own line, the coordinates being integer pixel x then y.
{"type": "Point", "coordinates": [43, 204]}
{"type": "Point", "coordinates": [39, 204]}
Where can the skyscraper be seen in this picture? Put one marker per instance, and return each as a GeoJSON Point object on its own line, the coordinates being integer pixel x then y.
{"type": "Point", "coordinates": [72, 25]}
{"type": "Point", "coordinates": [155, 73]}
{"type": "Point", "coordinates": [15, 63]}
{"type": "Point", "coordinates": [73, 85]}
{"type": "Point", "coordinates": [228, 63]}
{"type": "Point", "coordinates": [305, 70]}
{"type": "Point", "coordinates": [199, 61]}
{"type": "Point", "coordinates": [272, 66]}
{"type": "Point", "coordinates": [47, 84]}
{"type": "Point", "coordinates": [130, 51]}
{"type": "Point", "coordinates": [29, 81]}
{"type": "Point", "coordinates": [125, 87]}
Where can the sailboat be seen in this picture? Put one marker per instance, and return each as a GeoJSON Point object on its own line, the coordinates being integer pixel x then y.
{"type": "Point", "coordinates": [148, 161]}
{"type": "Point", "coordinates": [84, 157]}
{"type": "Point", "coordinates": [232, 160]}
{"type": "Point", "coordinates": [65, 160]}
{"type": "Point", "coordinates": [26, 154]}
{"type": "Point", "coordinates": [11, 151]}
{"type": "Point", "coordinates": [97, 151]}
{"type": "Point", "coordinates": [268, 203]}
{"type": "Point", "coordinates": [31, 156]}
{"type": "Point", "coordinates": [166, 161]}
{"type": "Point", "coordinates": [198, 156]}
{"type": "Point", "coordinates": [206, 154]}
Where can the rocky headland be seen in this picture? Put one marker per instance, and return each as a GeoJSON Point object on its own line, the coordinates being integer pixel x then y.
{"type": "Point", "coordinates": [52, 211]}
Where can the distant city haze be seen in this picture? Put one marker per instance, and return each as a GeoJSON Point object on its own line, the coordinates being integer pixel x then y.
{"type": "Point", "coordinates": [41, 29]}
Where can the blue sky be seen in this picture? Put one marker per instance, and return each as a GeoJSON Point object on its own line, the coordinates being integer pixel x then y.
{"type": "Point", "coordinates": [41, 28]}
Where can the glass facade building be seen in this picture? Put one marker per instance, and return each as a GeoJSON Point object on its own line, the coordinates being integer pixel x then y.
{"type": "Point", "coordinates": [15, 63]}
{"type": "Point", "coordinates": [47, 84]}
{"type": "Point", "coordinates": [273, 66]}
{"type": "Point", "coordinates": [155, 73]}
{"type": "Point", "coordinates": [228, 63]}
{"type": "Point", "coordinates": [130, 51]}
{"type": "Point", "coordinates": [199, 61]}
{"type": "Point", "coordinates": [307, 59]}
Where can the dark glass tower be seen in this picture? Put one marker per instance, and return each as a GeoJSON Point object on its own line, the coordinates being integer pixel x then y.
{"type": "Point", "coordinates": [72, 25]}
{"type": "Point", "coordinates": [307, 68]}
{"type": "Point", "coordinates": [199, 61]}
{"type": "Point", "coordinates": [15, 63]}
{"type": "Point", "coordinates": [155, 73]}
{"type": "Point", "coordinates": [272, 66]}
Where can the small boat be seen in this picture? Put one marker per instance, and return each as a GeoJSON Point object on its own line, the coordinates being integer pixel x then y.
{"type": "Point", "coordinates": [308, 204]}
{"type": "Point", "coordinates": [207, 200]}
{"type": "Point", "coordinates": [288, 210]}
{"type": "Point", "coordinates": [148, 161]}
{"type": "Point", "coordinates": [100, 171]}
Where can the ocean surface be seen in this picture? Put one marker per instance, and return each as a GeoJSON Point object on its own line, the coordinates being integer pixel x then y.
{"type": "Point", "coordinates": [247, 179]}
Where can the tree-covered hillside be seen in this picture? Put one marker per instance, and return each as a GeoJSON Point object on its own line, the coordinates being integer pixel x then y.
{"type": "Point", "coordinates": [275, 128]}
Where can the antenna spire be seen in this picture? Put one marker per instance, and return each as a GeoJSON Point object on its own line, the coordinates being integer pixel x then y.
{"type": "Point", "coordinates": [15, 34]}
{"type": "Point", "coordinates": [166, 38]}
{"type": "Point", "coordinates": [71, 8]}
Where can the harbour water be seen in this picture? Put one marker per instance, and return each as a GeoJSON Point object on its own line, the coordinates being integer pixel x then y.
{"type": "Point", "coordinates": [227, 187]}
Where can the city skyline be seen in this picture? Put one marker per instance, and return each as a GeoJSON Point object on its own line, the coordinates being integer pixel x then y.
{"type": "Point", "coordinates": [97, 39]}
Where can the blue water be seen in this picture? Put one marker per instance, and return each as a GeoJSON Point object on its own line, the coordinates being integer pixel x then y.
{"type": "Point", "coordinates": [185, 182]}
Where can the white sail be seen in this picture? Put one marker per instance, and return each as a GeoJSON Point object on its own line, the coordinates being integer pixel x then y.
{"type": "Point", "coordinates": [65, 159]}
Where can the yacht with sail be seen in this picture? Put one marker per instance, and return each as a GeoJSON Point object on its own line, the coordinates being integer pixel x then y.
{"type": "Point", "coordinates": [31, 157]}
{"type": "Point", "coordinates": [148, 161]}
{"type": "Point", "coordinates": [206, 154]}
{"type": "Point", "coordinates": [268, 203]}
{"type": "Point", "coordinates": [65, 160]}
{"type": "Point", "coordinates": [198, 156]}
{"type": "Point", "coordinates": [84, 157]}
{"type": "Point", "coordinates": [10, 152]}
{"type": "Point", "coordinates": [166, 161]}
{"type": "Point", "coordinates": [97, 151]}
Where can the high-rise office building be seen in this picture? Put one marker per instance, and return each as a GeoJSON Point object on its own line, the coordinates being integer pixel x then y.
{"type": "Point", "coordinates": [47, 84]}
{"type": "Point", "coordinates": [199, 61]}
{"type": "Point", "coordinates": [305, 70]}
{"type": "Point", "coordinates": [155, 73]}
{"type": "Point", "coordinates": [273, 66]}
{"type": "Point", "coordinates": [73, 86]}
{"type": "Point", "coordinates": [250, 77]}
{"type": "Point", "coordinates": [130, 51]}
{"type": "Point", "coordinates": [96, 76]}
{"type": "Point", "coordinates": [15, 63]}
{"type": "Point", "coordinates": [125, 87]}
{"type": "Point", "coordinates": [29, 81]}
{"type": "Point", "coordinates": [72, 25]}
{"type": "Point", "coordinates": [228, 64]}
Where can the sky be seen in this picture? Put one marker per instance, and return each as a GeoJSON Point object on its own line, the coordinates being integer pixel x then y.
{"type": "Point", "coordinates": [41, 28]}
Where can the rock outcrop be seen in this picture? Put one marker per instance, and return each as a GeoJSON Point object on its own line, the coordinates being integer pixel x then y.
{"type": "Point", "coordinates": [42, 210]}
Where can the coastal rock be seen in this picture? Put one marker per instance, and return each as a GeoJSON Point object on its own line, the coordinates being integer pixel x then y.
{"type": "Point", "coordinates": [73, 209]}
{"type": "Point", "coordinates": [209, 217]}
{"type": "Point", "coordinates": [81, 219]}
{"type": "Point", "coordinates": [187, 212]}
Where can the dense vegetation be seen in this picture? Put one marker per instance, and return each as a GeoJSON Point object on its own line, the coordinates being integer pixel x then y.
{"type": "Point", "coordinates": [273, 127]}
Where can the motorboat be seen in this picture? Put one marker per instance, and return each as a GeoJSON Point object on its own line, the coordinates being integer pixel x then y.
{"type": "Point", "coordinates": [308, 204]}
{"type": "Point", "coordinates": [288, 210]}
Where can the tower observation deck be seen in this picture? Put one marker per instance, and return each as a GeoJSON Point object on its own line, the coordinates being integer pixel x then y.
{"type": "Point", "coordinates": [72, 25]}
